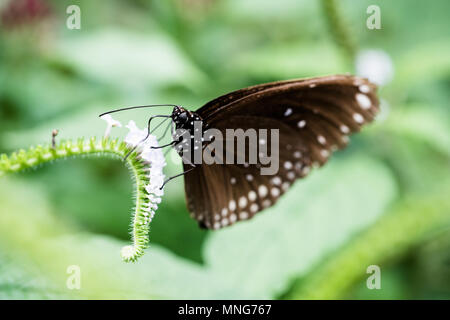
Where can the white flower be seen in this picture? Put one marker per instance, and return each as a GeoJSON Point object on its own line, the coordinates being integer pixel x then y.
{"type": "Point", "coordinates": [376, 65]}
{"type": "Point", "coordinates": [154, 158]}
{"type": "Point", "coordinates": [128, 252]}
{"type": "Point", "coordinates": [149, 154]}
{"type": "Point", "coordinates": [135, 135]}
{"type": "Point", "coordinates": [110, 122]}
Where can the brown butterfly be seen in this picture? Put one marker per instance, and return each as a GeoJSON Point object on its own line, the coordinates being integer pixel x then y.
{"type": "Point", "coordinates": [314, 118]}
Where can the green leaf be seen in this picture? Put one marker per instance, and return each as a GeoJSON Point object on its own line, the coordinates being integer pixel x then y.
{"type": "Point", "coordinates": [18, 283]}
{"type": "Point", "coordinates": [418, 122]}
{"type": "Point", "coordinates": [130, 61]}
{"type": "Point", "coordinates": [426, 61]}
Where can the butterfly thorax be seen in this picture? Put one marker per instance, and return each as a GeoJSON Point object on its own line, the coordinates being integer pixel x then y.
{"type": "Point", "coordinates": [189, 129]}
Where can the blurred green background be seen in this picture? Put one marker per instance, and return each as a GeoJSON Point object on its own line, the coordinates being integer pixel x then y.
{"type": "Point", "coordinates": [383, 201]}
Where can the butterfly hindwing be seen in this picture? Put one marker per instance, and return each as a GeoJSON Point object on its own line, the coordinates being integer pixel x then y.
{"type": "Point", "coordinates": [221, 194]}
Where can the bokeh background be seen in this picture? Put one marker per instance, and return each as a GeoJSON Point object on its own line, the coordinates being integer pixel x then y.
{"type": "Point", "coordinates": [383, 201]}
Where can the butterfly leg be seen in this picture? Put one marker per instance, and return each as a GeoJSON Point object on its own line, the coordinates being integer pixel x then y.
{"type": "Point", "coordinates": [166, 145]}
{"type": "Point", "coordinates": [166, 130]}
{"type": "Point", "coordinates": [159, 125]}
{"type": "Point", "coordinates": [148, 134]}
{"type": "Point", "coordinates": [172, 130]}
{"type": "Point", "coordinates": [176, 176]}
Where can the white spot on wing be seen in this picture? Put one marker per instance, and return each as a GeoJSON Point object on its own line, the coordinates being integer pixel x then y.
{"type": "Point", "coordinates": [364, 88]}
{"type": "Point", "coordinates": [242, 202]}
{"type": "Point", "coordinates": [243, 215]}
{"type": "Point", "coordinates": [262, 190]}
{"type": "Point", "coordinates": [301, 124]}
{"type": "Point", "coordinates": [276, 181]}
{"type": "Point", "coordinates": [363, 101]}
{"type": "Point", "coordinates": [232, 205]}
{"type": "Point", "coordinates": [275, 192]}
{"type": "Point", "coordinates": [266, 203]}
{"type": "Point", "coordinates": [344, 129]}
{"type": "Point", "coordinates": [288, 112]}
{"type": "Point", "coordinates": [291, 175]}
{"type": "Point", "coordinates": [288, 165]}
{"type": "Point", "coordinates": [306, 170]}
{"type": "Point", "coordinates": [321, 139]}
{"type": "Point", "coordinates": [224, 212]}
{"type": "Point", "coordinates": [358, 118]}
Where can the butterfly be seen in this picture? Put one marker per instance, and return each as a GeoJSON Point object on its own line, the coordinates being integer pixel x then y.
{"type": "Point", "coordinates": [314, 117]}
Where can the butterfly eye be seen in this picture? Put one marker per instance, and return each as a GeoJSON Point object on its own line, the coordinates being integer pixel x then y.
{"type": "Point", "coordinates": [182, 117]}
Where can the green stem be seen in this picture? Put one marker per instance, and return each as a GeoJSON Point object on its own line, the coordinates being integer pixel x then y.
{"type": "Point", "coordinates": [338, 28]}
{"type": "Point", "coordinates": [36, 156]}
{"type": "Point", "coordinates": [394, 235]}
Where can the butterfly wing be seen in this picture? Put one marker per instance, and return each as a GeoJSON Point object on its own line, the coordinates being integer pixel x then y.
{"type": "Point", "coordinates": [314, 118]}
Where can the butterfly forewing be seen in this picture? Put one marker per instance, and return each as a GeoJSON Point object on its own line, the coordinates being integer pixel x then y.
{"type": "Point", "coordinates": [314, 118]}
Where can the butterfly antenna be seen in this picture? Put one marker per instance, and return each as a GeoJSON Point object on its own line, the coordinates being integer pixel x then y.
{"type": "Point", "coordinates": [138, 107]}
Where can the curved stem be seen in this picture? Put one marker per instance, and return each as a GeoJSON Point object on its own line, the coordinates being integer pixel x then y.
{"type": "Point", "coordinates": [36, 156]}
{"type": "Point", "coordinates": [338, 28]}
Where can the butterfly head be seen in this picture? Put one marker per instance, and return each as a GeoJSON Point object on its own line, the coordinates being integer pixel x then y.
{"type": "Point", "coordinates": [179, 115]}
{"type": "Point", "coordinates": [184, 118]}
